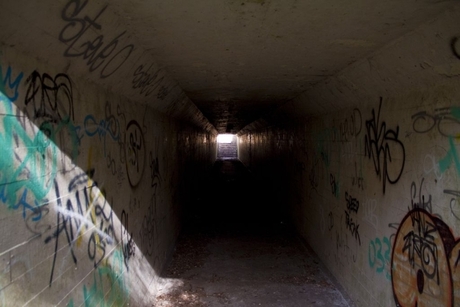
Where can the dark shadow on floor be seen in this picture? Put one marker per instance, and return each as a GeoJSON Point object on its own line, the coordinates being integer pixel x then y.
{"type": "Point", "coordinates": [238, 249]}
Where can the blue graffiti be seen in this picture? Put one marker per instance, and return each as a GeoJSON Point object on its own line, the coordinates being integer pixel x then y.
{"type": "Point", "coordinates": [8, 85]}
{"type": "Point", "coordinates": [28, 156]}
{"type": "Point", "coordinates": [108, 126]}
{"type": "Point", "coordinates": [31, 168]}
{"type": "Point", "coordinates": [36, 212]}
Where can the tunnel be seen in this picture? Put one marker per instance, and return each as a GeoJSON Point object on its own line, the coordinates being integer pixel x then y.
{"type": "Point", "coordinates": [339, 185]}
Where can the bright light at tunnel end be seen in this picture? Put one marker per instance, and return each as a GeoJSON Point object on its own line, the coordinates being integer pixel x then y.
{"type": "Point", "coordinates": [225, 138]}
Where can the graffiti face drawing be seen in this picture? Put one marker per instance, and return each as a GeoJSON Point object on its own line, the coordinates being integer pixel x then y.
{"type": "Point", "coordinates": [424, 262]}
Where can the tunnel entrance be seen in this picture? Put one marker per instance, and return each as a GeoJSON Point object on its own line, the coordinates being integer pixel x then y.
{"type": "Point", "coordinates": [227, 147]}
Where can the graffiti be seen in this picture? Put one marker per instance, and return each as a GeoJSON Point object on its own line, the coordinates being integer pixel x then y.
{"type": "Point", "coordinates": [421, 201]}
{"type": "Point", "coordinates": [369, 206]}
{"type": "Point", "coordinates": [424, 262]}
{"type": "Point", "coordinates": [109, 126]}
{"type": "Point", "coordinates": [431, 165]}
{"type": "Point", "coordinates": [352, 225]}
{"type": "Point", "coordinates": [446, 120]}
{"type": "Point", "coordinates": [8, 86]}
{"type": "Point", "coordinates": [454, 203]}
{"type": "Point", "coordinates": [50, 98]}
{"type": "Point", "coordinates": [98, 54]}
{"type": "Point", "coordinates": [35, 220]}
{"type": "Point", "coordinates": [334, 186]}
{"type": "Point", "coordinates": [379, 255]}
{"type": "Point", "coordinates": [154, 169]}
{"type": "Point", "coordinates": [111, 164]}
{"type": "Point", "coordinates": [358, 180]}
{"type": "Point", "coordinates": [127, 242]}
{"type": "Point", "coordinates": [451, 156]}
{"type": "Point", "coordinates": [454, 45]}
{"type": "Point", "coordinates": [352, 203]}
{"type": "Point", "coordinates": [122, 139]}
{"type": "Point", "coordinates": [135, 153]}
{"type": "Point", "coordinates": [115, 169]}
{"type": "Point", "coordinates": [352, 208]}
{"type": "Point", "coordinates": [82, 209]}
{"type": "Point", "coordinates": [35, 211]}
{"type": "Point", "coordinates": [148, 81]}
{"type": "Point", "coordinates": [49, 101]}
{"type": "Point", "coordinates": [384, 148]}
{"type": "Point", "coordinates": [108, 286]}
{"type": "Point", "coordinates": [351, 126]}
{"type": "Point", "coordinates": [33, 168]}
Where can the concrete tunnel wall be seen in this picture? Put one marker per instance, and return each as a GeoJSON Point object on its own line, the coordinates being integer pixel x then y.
{"type": "Point", "coordinates": [81, 224]}
{"type": "Point", "coordinates": [96, 162]}
{"type": "Point", "coordinates": [370, 169]}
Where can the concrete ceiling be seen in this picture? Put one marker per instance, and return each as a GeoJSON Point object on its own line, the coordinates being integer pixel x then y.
{"type": "Point", "coordinates": [239, 59]}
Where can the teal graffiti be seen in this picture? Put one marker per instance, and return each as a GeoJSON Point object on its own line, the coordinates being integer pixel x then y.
{"type": "Point", "coordinates": [379, 256]}
{"type": "Point", "coordinates": [447, 122]}
{"type": "Point", "coordinates": [455, 111]}
{"type": "Point", "coordinates": [451, 156]}
{"type": "Point", "coordinates": [109, 287]}
{"type": "Point", "coordinates": [66, 131]}
{"type": "Point", "coordinates": [33, 167]}
{"type": "Point", "coordinates": [7, 84]}
{"type": "Point", "coordinates": [29, 156]}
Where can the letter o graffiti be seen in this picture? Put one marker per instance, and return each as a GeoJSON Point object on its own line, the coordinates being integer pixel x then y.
{"type": "Point", "coordinates": [129, 49]}
{"type": "Point", "coordinates": [92, 247]}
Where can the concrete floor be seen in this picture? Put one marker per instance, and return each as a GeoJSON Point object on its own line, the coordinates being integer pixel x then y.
{"type": "Point", "coordinates": [244, 256]}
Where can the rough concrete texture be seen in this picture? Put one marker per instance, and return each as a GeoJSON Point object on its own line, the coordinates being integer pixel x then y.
{"type": "Point", "coordinates": [249, 259]}
{"type": "Point", "coordinates": [91, 186]}
{"type": "Point", "coordinates": [372, 180]}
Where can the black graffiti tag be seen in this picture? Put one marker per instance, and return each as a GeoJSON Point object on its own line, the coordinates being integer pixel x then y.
{"type": "Point", "coordinates": [50, 98]}
{"type": "Point", "coordinates": [147, 81]}
{"type": "Point", "coordinates": [135, 153]}
{"type": "Point", "coordinates": [95, 51]}
{"type": "Point", "coordinates": [445, 120]}
{"type": "Point", "coordinates": [385, 149]}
